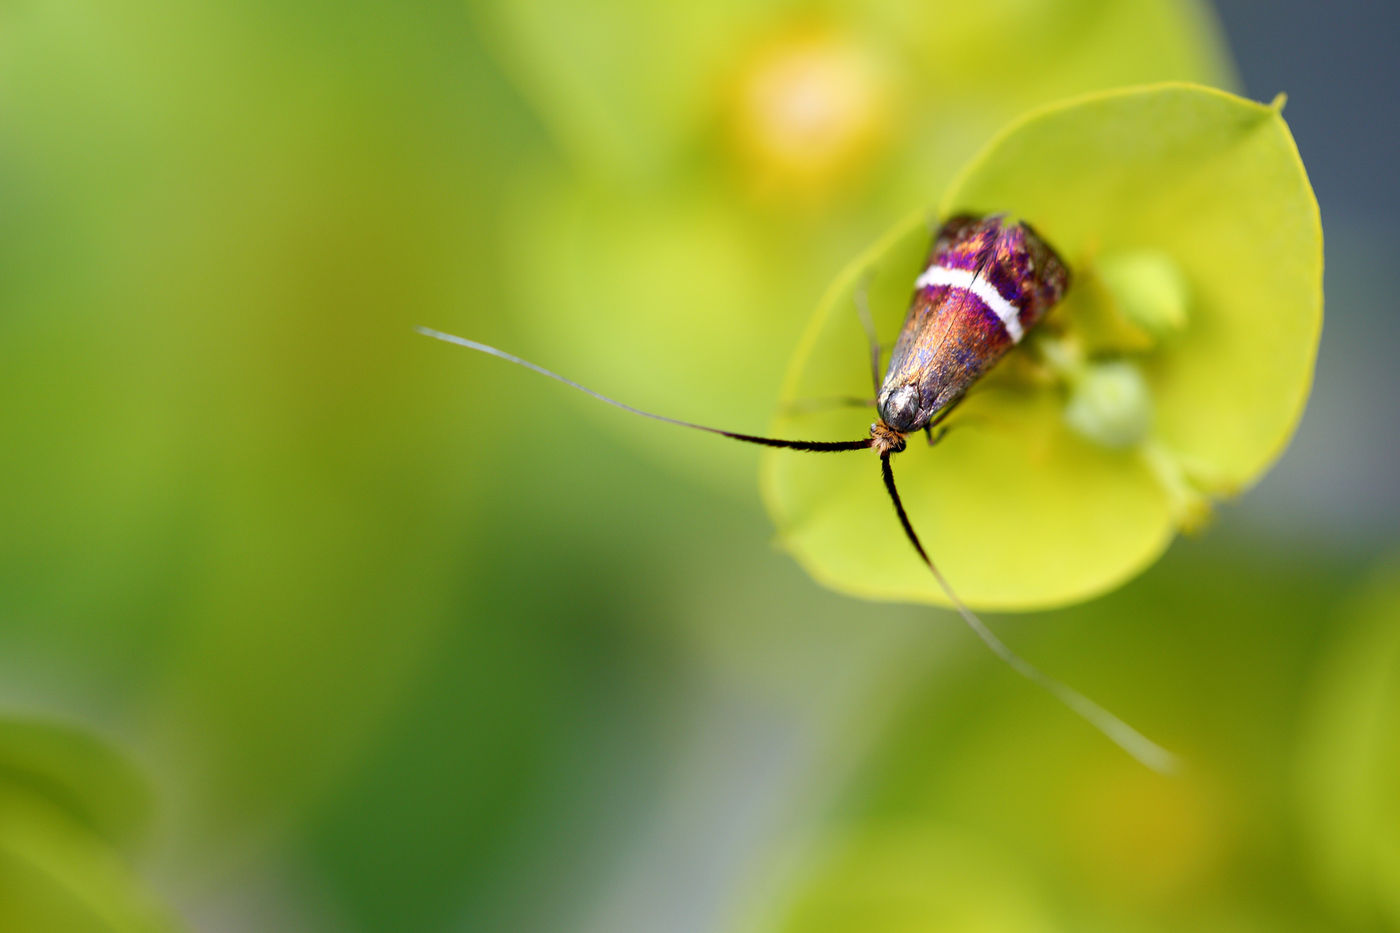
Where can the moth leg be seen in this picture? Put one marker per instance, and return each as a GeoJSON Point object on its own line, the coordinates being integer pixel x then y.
{"type": "Point", "coordinates": [867, 323]}
{"type": "Point", "coordinates": [938, 420]}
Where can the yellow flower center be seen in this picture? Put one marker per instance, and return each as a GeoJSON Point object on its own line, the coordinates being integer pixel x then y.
{"type": "Point", "coordinates": [807, 111]}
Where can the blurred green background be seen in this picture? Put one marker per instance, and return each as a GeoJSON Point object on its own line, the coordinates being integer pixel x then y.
{"type": "Point", "coordinates": [307, 623]}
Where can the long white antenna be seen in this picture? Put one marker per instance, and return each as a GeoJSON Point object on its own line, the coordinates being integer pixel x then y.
{"type": "Point", "coordinates": [819, 446]}
{"type": "Point", "coordinates": [1120, 733]}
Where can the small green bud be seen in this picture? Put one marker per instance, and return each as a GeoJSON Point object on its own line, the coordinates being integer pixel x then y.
{"type": "Point", "coordinates": [1149, 290]}
{"type": "Point", "coordinates": [1110, 404]}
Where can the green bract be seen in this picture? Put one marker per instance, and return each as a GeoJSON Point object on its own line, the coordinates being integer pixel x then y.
{"type": "Point", "coordinates": [672, 252]}
{"type": "Point", "coordinates": [1196, 249]}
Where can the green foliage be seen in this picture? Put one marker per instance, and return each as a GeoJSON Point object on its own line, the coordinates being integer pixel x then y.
{"type": "Point", "coordinates": [1350, 760]}
{"type": "Point", "coordinates": [69, 808]}
{"type": "Point", "coordinates": [910, 878]}
{"type": "Point", "coordinates": [413, 642]}
{"type": "Point", "coordinates": [1060, 831]}
{"type": "Point", "coordinates": [94, 784]}
{"type": "Point", "coordinates": [1030, 502]}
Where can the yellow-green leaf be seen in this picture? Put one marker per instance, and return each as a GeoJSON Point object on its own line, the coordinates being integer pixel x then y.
{"type": "Point", "coordinates": [56, 876]}
{"type": "Point", "coordinates": [1350, 762]}
{"type": "Point", "coordinates": [69, 806]}
{"type": "Point", "coordinates": [91, 781]}
{"type": "Point", "coordinates": [911, 879]}
{"type": "Point", "coordinates": [1021, 509]}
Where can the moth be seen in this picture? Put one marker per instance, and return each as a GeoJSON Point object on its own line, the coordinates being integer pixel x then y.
{"type": "Point", "coordinates": [987, 281]}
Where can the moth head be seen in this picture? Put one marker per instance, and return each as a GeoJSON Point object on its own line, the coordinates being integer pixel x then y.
{"type": "Point", "coordinates": [900, 407]}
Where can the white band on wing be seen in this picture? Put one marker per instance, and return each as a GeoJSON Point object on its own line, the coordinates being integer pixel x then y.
{"type": "Point", "coordinates": [966, 279]}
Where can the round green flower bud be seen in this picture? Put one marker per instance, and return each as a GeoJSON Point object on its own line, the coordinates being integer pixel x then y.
{"type": "Point", "coordinates": [1110, 404]}
{"type": "Point", "coordinates": [1148, 289]}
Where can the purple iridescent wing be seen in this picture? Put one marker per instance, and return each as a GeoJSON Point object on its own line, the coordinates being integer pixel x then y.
{"type": "Point", "coordinates": [986, 283]}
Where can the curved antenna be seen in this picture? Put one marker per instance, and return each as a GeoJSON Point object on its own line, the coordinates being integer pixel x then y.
{"type": "Point", "coordinates": [1119, 732]}
{"type": "Point", "coordinates": [818, 446]}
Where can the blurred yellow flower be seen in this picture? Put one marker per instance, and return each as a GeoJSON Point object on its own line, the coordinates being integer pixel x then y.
{"type": "Point", "coordinates": [808, 110]}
